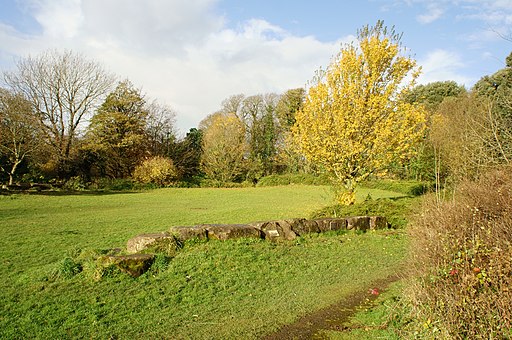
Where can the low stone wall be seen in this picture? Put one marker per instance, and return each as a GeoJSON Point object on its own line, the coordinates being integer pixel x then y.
{"type": "Point", "coordinates": [136, 263]}
{"type": "Point", "coordinates": [269, 230]}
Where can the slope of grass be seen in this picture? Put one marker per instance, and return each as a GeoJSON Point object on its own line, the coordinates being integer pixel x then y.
{"type": "Point", "coordinates": [210, 290]}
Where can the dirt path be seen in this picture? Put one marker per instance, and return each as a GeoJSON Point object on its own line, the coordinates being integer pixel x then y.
{"type": "Point", "coordinates": [331, 317]}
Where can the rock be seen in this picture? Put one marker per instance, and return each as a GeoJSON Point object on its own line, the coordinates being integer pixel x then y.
{"type": "Point", "coordinates": [187, 233]}
{"type": "Point", "coordinates": [170, 243]}
{"type": "Point", "coordinates": [134, 265]}
{"type": "Point", "coordinates": [302, 226]}
{"type": "Point", "coordinates": [231, 231]}
{"type": "Point", "coordinates": [327, 224]}
{"type": "Point", "coordinates": [276, 230]}
{"type": "Point", "coordinates": [358, 223]}
{"type": "Point", "coordinates": [144, 241]}
{"type": "Point", "coordinates": [378, 222]}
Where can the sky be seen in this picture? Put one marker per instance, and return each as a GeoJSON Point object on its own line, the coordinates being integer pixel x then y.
{"type": "Point", "coordinates": [193, 54]}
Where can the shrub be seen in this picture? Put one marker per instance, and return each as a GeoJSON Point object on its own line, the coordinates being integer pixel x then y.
{"type": "Point", "coordinates": [411, 188]}
{"type": "Point", "coordinates": [75, 183]}
{"type": "Point", "coordinates": [397, 211]}
{"type": "Point", "coordinates": [462, 262]}
{"type": "Point", "coordinates": [157, 170]}
{"type": "Point", "coordinates": [299, 178]}
{"type": "Point", "coordinates": [212, 183]}
{"type": "Point", "coordinates": [112, 184]}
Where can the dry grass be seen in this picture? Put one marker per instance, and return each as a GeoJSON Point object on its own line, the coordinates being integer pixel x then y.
{"type": "Point", "coordinates": [461, 262]}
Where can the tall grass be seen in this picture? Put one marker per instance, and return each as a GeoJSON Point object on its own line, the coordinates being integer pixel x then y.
{"type": "Point", "coordinates": [462, 262]}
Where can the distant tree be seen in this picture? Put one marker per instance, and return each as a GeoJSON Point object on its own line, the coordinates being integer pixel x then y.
{"type": "Point", "coordinates": [233, 105]}
{"type": "Point", "coordinates": [224, 147]}
{"type": "Point", "coordinates": [64, 89]}
{"type": "Point", "coordinates": [354, 122]}
{"type": "Point", "coordinates": [498, 87]}
{"type": "Point", "coordinates": [432, 95]}
{"type": "Point", "coordinates": [472, 136]}
{"type": "Point", "coordinates": [499, 81]}
{"type": "Point", "coordinates": [287, 107]}
{"type": "Point", "coordinates": [186, 154]}
{"type": "Point", "coordinates": [160, 129]}
{"type": "Point", "coordinates": [258, 115]}
{"type": "Point", "coordinates": [19, 132]}
{"type": "Point", "coordinates": [116, 136]}
{"type": "Point", "coordinates": [424, 164]}
{"type": "Point", "coordinates": [288, 156]}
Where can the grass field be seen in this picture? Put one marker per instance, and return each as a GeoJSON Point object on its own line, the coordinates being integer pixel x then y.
{"type": "Point", "coordinates": [209, 290]}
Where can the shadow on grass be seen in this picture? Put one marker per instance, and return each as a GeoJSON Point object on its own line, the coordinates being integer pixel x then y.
{"type": "Point", "coordinates": [68, 192]}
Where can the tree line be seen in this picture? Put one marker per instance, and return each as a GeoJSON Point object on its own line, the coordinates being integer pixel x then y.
{"type": "Point", "coordinates": [63, 116]}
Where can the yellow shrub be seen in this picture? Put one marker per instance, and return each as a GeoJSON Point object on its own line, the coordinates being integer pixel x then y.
{"type": "Point", "coordinates": [157, 170]}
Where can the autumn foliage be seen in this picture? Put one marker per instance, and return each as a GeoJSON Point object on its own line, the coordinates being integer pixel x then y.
{"type": "Point", "coordinates": [156, 170]}
{"type": "Point", "coordinates": [461, 262]}
{"type": "Point", "coordinates": [354, 122]}
{"type": "Point", "coordinates": [224, 147]}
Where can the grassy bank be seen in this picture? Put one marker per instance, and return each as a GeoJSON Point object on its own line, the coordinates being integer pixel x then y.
{"type": "Point", "coordinates": [214, 289]}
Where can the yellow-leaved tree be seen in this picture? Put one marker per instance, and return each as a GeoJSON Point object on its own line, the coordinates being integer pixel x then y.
{"type": "Point", "coordinates": [224, 147]}
{"type": "Point", "coordinates": [354, 122]}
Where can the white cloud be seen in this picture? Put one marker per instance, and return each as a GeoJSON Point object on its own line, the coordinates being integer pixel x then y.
{"type": "Point", "coordinates": [433, 13]}
{"type": "Point", "coordinates": [58, 18]}
{"type": "Point", "coordinates": [441, 65]}
{"type": "Point", "coordinates": [179, 51]}
{"type": "Point", "coordinates": [494, 13]}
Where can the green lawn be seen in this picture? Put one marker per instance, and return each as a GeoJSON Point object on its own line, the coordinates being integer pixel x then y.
{"type": "Point", "coordinates": [210, 290]}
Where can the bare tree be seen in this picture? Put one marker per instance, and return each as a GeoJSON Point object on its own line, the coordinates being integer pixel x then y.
{"type": "Point", "coordinates": [19, 132]}
{"type": "Point", "coordinates": [160, 128]}
{"type": "Point", "coordinates": [64, 89]}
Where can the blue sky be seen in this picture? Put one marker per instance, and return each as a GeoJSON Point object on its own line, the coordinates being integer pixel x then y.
{"type": "Point", "coordinates": [192, 54]}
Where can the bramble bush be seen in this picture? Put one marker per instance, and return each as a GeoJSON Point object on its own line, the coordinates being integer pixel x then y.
{"type": "Point", "coordinates": [461, 262]}
{"type": "Point", "coordinates": [157, 170]}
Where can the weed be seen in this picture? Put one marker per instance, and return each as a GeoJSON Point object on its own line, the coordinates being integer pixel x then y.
{"type": "Point", "coordinates": [461, 262]}
{"type": "Point", "coordinates": [160, 264]}
{"type": "Point", "coordinates": [67, 268]}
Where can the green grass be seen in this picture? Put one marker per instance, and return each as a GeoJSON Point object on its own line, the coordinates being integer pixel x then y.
{"type": "Point", "coordinates": [377, 320]}
{"type": "Point", "coordinates": [219, 290]}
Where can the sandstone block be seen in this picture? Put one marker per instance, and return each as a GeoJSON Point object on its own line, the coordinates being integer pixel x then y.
{"type": "Point", "coordinates": [231, 231]}
{"type": "Point", "coordinates": [187, 233]}
{"type": "Point", "coordinates": [358, 223]}
{"type": "Point", "coordinates": [378, 222]}
{"type": "Point", "coordinates": [144, 241]}
{"type": "Point", "coordinates": [302, 226]}
{"type": "Point", "coordinates": [276, 230]}
{"type": "Point", "coordinates": [134, 265]}
{"type": "Point", "coordinates": [327, 224]}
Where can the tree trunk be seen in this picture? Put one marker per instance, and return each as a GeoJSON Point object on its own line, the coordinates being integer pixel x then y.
{"type": "Point", "coordinates": [13, 171]}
